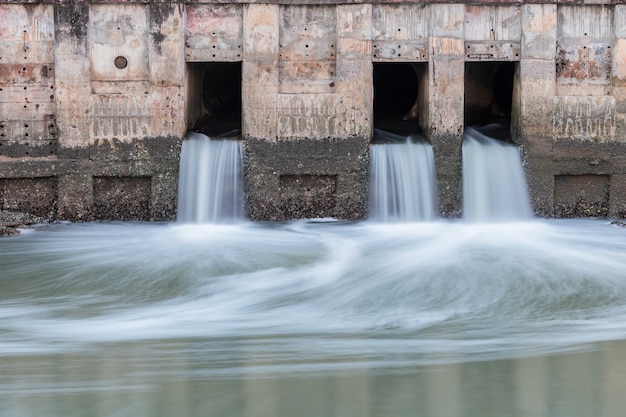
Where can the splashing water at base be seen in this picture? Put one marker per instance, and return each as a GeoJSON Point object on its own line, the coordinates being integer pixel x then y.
{"type": "Point", "coordinates": [494, 187]}
{"type": "Point", "coordinates": [210, 186]}
{"type": "Point", "coordinates": [308, 318]}
{"type": "Point", "coordinates": [403, 186]}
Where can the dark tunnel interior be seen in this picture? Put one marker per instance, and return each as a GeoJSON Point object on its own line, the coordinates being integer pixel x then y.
{"type": "Point", "coordinates": [215, 92]}
{"type": "Point", "coordinates": [396, 89]}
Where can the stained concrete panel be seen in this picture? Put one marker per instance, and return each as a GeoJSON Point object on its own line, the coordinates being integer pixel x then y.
{"type": "Point", "coordinates": [28, 38]}
{"type": "Point", "coordinates": [27, 95]}
{"type": "Point", "coordinates": [584, 55]}
{"type": "Point", "coordinates": [119, 31]}
{"type": "Point", "coordinates": [400, 22]}
{"type": "Point", "coordinates": [307, 50]}
{"type": "Point", "coordinates": [492, 22]}
{"type": "Point", "coordinates": [539, 31]}
{"type": "Point", "coordinates": [213, 33]}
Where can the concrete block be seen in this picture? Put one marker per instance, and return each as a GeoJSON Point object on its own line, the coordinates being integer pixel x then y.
{"type": "Point", "coordinates": [29, 38]}
{"type": "Point", "coordinates": [539, 27]}
{"type": "Point", "coordinates": [72, 69]}
{"type": "Point", "coordinates": [166, 52]}
{"type": "Point", "coordinates": [260, 31]}
{"type": "Point", "coordinates": [119, 41]}
{"type": "Point", "coordinates": [214, 33]}
{"type": "Point", "coordinates": [537, 88]}
{"type": "Point", "coordinates": [447, 20]}
{"type": "Point", "coordinates": [259, 107]}
{"type": "Point", "coordinates": [400, 22]}
{"type": "Point", "coordinates": [307, 50]}
{"type": "Point", "coordinates": [493, 22]}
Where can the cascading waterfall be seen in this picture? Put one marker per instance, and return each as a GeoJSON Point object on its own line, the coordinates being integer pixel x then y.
{"type": "Point", "coordinates": [403, 186]}
{"type": "Point", "coordinates": [210, 188]}
{"type": "Point", "coordinates": [494, 187]}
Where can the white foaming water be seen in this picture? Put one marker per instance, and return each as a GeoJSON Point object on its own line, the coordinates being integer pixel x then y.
{"type": "Point", "coordinates": [494, 187]}
{"type": "Point", "coordinates": [159, 317]}
{"type": "Point", "coordinates": [210, 188]}
{"type": "Point", "coordinates": [403, 186]}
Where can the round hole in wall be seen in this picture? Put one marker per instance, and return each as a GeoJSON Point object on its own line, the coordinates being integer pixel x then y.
{"type": "Point", "coordinates": [120, 62]}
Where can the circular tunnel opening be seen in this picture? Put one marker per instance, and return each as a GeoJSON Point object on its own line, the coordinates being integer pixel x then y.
{"type": "Point", "coordinates": [396, 97]}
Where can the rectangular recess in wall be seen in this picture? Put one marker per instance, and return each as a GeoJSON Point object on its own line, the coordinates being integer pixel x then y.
{"type": "Point", "coordinates": [581, 195]}
{"type": "Point", "coordinates": [37, 196]}
{"type": "Point", "coordinates": [308, 195]}
{"type": "Point", "coordinates": [122, 198]}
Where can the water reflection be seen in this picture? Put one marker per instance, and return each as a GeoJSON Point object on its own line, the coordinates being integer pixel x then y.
{"type": "Point", "coordinates": [319, 319]}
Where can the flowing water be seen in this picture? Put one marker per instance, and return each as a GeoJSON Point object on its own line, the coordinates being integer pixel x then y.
{"type": "Point", "coordinates": [403, 184]}
{"type": "Point", "coordinates": [210, 188]}
{"type": "Point", "coordinates": [494, 187]}
{"type": "Point", "coordinates": [317, 319]}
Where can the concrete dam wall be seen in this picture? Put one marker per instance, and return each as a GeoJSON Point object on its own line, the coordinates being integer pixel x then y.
{"type": "Point", "coordinates": [96, 98]}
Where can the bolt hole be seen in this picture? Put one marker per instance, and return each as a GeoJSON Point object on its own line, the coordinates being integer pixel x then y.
{"type": "Point", "coordinates": [24, 88]}
{"type": "Point", "coordinates": [52, 97]}
{"type": "Point", "coordinates": [306, 46]}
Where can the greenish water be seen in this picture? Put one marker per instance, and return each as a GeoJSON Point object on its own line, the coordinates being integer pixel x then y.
{"type": "Point", "coordinates": [314, 319]}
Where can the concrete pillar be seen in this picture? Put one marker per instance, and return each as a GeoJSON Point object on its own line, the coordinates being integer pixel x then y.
{"type": "Point", "coordinates": [260, 71]}
{"type": "Point", "coordinates": [307, 88]}
{"type": "Point", "coordinates": [167, 69]}
{"type": "Point", "coordinates": [445, 111]}
{"type": "Point", "coordinates": [72, 72]}
{"type": "Point", "coordinates": [535, 89]}
{"type": "Point", "coordinates": [617, 199]}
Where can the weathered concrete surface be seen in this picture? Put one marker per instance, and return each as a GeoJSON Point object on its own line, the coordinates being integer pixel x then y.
{"type": "Point", "coordinates": [308, 178]}
{"type": "Point", "coordinates": [96, 96]}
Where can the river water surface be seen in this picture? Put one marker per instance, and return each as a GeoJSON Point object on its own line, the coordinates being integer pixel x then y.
{"type": "Point", "coordinates": [314, 318]}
